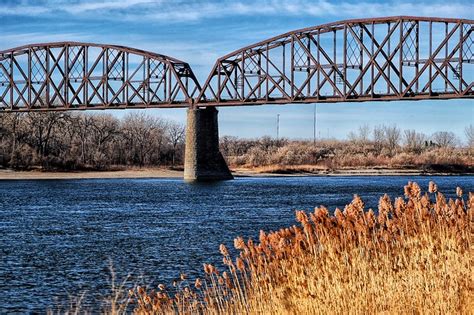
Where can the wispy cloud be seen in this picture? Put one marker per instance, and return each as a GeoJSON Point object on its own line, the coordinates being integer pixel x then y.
{"type": "Point", "coordinates": [168, 11]}
{"type": "Point", "coordinates": [97, 6]}
{"type": "Point", "coordinates": [25, 10]}
{"type": "Point", "coordinates": [17, 39]}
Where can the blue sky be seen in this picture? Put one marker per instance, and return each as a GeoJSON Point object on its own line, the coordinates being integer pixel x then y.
{"type": "Point", "coordinates": [201, 31]}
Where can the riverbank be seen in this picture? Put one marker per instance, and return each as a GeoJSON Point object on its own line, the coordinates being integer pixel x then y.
{"type": "Point", "coordinates": [315, 170]}
{"type": "Point", "coordinates": [271, 171]}
{"type": "Point", "coordinates": [130, 173]}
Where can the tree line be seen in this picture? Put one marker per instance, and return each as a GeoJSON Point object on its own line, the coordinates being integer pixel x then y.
{"type": "Point", "coordinates": [393, 139]}
{"type": "Point", "coordinates": [61, 140]}
{"type": "Point", "coordinates": [79, 141]}
{"type": "Point", "coordinates": [383, 145]}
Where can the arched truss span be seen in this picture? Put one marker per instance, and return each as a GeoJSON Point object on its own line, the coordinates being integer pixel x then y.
{"type": "Point", "coordinates": [71, 75]}
{"type": "Point", "coordinates": [393, 58]}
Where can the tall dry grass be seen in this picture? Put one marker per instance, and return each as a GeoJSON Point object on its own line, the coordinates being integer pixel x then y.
{"type": "Point", "coordinates": [414, 256]}
{"type": "Point", "coordinates": [339, 154]}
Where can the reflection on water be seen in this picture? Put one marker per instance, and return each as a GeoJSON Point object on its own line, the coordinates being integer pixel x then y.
{"type": "Point", "coordinates": [57, 237]}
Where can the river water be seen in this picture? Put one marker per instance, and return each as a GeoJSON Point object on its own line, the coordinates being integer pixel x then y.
{"type": "Point", "coordinates": [59, 237]}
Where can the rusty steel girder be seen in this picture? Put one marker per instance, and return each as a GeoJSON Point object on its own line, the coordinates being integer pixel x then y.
{"type": "Point", "coordinates": [394, 58]}
{"type": "Point", "coordinates": [71, 75]}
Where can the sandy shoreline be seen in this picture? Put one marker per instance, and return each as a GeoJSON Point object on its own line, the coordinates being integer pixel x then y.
{"type": "Point", "coordinates": [168, 173]}
{"type": "Point", "coordinates": [134, 173]}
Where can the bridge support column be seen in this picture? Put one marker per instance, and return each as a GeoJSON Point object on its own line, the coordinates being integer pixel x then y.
{"type": "Point", "coordinates": [203, 161]}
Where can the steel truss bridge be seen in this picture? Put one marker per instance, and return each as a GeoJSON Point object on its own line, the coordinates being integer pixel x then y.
{"type": "Point", "coordinates": [377, 59]}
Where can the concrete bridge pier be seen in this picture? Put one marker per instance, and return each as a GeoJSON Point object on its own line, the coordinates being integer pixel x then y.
{"type": "Point", "coordinates": [203, 161]}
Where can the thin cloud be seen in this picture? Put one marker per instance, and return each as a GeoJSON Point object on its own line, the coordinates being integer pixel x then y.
{"type": "Point", "coordinates": [24, 10]}
{"type": "Point", "coordinates": [167, 11]}
{"type": "Point", "coordinates": [93, 7]}
{"type": "Point", "coordinates": [10, 40]}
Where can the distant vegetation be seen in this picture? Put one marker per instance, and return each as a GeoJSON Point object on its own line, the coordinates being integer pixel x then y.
{"type": "Point", "coordinates": [383, 146]}
{"type": "Point", "coordinates": [86, 141]}
{"type": "Point", "coordinates": [65, 141]}
{"type": "Point", "coordinates": [412, 256]}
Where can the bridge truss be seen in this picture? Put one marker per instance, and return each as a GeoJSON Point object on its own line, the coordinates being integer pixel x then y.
{"type": "Point", "coordinates": [71, 75]}
{"type": "Point", "coordinates": [396, 58]}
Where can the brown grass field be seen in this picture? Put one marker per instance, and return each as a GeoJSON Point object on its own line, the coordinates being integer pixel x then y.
{"type": "Point", "coordinates": [414, 256]}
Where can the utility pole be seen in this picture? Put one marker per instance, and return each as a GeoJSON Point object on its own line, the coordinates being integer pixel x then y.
{"type": "Point", "coordinates": [314, 125]}
{"type": "Point", "coordinates": [278, 126]}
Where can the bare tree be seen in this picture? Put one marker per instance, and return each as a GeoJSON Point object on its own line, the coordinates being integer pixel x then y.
{"type": "Point", "coordinates": [12, 122]}
{"type": "Point", "coordinates": [362, 135]}
{"type": "Point", "coordinates": [82, 125]}
{"type": "Point", "coordinates": [445, 139]}
{"type": "Point", "coordinates": [42, 130]}
{"type": "Point", "coordinates": [143, 135]}
{"type": "Point", "coordinates": [3, 140]}
{"type": "Point", "coordinates": [3, 129]}
{"type": "Point", "coordinates": [392, 138]}
{"type": "Point", "coordinates": [378, 135]}
{"type": "Point", "coordinates": [104, 129]}
{"type": "Point", "coordinates": [414, 141]}
{"type": "Point", "coordinates": [175, 133]}
{"type": "Point", "coordinates": [469, 131]}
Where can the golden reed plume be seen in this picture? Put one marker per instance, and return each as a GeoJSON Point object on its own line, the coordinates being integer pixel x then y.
{"type": "Point", "coordinates": [414, 256]}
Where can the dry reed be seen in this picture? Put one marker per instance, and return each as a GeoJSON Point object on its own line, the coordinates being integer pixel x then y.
{"type": "Point", "coordinates": [414, 256]}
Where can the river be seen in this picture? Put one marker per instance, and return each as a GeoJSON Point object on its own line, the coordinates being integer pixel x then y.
{"type": "Point", "coordinates": [59, 237]}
